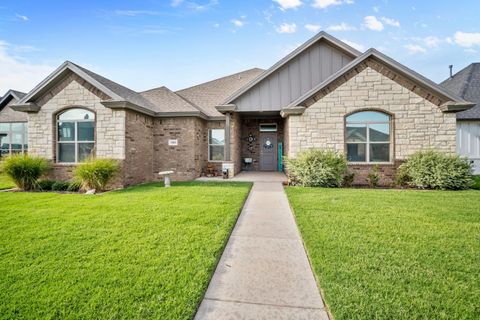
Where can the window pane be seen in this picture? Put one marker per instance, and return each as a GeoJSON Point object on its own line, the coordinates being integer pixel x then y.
{"type": "Point", "coordinates": [18, 126]}
{"type": "Point", "coordinates": [356, 152]}
{"type": "Point", "coordinates": [5, 142]}
{"type": "Point", "coordinates": [368, 116]}
{"type": "Point", "coordinates": [77, 114]}
{"type": "Point", "coordinates": [268, 127]}
{"type": "Point", "coordinates": [17, 141]}
{"type": "Point", "coordinates": [216, 136]}
{"type": "Point", "coordinates": [84, 151]}
{"type": "Point", "coordinates": [356, 133]}
{"type": "Point", "coordinates": [4, 127]}
{"type": "Point", "coordinates": [379, 132]}
{"type": "Point", "coordinates": [66, 131]}
{"type": "Point", "coordinates": [379, 152]}
{"type": "Point", "coordinates": [66, 152]}
{"type": "Point", "coordinates": [216, 153]}
{"type": "Point", "coordinates": [85, 131]}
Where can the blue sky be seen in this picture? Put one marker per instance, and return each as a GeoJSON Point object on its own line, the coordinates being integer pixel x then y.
{"type": "Point", "coordinates": [144, 44]}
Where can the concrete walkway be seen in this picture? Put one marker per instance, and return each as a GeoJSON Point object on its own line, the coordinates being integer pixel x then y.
{"type": "Point", "coordinates": [264, 272]}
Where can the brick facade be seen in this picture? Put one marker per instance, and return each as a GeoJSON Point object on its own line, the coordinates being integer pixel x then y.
{"type": "Point", "coordinates": [418, 123]}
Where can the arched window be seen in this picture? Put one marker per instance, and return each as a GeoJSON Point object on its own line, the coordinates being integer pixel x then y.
{"type": "Point", "coordinates": [75, 135]}
{"type": "Point", "coordinates": [368, 137]}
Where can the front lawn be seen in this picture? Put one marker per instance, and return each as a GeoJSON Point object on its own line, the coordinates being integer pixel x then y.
{"type": "Point", "coordinates": [6, 182]}
{"type": "Point", "coordinates": [393, 254]}
{"type": "Point", "coordinates": [142, 253]}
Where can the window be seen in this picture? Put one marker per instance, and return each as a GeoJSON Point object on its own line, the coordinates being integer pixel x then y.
{"type": "Point", "coordinates": [75, 135]}
{"type": "Point", "coordinates": [368, 137]}
{"type": "Point", "coordinates": [13, 138]}
{"type": "Point", "coordinates": [268, 127]}
{"type": "Point", "coordinates": [216, 144]}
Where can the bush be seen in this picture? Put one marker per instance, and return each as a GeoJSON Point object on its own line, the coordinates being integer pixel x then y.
{"type": "Point", "coordinates": [96, 173]}
{"type": "Point", "coordinates": [317, 168]}
{"type": "Point", "coordinates": [60, 186]}
{"type": "Point", "coordinates": [74, 186]}
{"type": "Point", "coordinates": [436, 170]}
{"type": "Point", "coordinates": [373, 177]}
{"type": "Point", "coordinates": [348, 179]}
{"type": "Point", "coordinates": [25, 170]}
{"type": "Point", "coordinates": [45, 185]}
{"type": "Point", "coordinates": [476, 183]}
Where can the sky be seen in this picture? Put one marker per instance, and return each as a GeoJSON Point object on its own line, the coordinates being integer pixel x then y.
{"type": "Point", "coordinates": [179, 43]}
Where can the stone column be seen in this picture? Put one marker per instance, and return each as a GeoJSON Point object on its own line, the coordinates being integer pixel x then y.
{"type": "Point", "coordinates": [227, 136]}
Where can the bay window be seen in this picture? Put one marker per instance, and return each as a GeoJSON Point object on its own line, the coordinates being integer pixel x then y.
{"type": "Point", "coordinates": [368, 137]}
{"type": "Point", "coordinates": [216, 144]}
{"type": "Point", "coordinates": [75, 135]}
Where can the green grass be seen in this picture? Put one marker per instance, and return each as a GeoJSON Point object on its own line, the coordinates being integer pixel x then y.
{"type": "Point", "coordinates": [393, 254]}
{"type": "Point", "coordinates": [6, 182]}
{"type": "Point", "coordinates": [142, 253]}
{"type": "Point", "coordinates": [476, 184]}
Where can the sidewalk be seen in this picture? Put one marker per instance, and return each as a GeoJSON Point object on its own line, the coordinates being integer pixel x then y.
{"type": "Point", "coordinates": [264, 272]}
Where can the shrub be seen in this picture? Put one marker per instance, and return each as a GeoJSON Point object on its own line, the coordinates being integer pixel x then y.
{"type": "Point", "coordinates": [401, 177]}
{"type": "Point", "coordinates": [317, 168]}
{"type": "Point", "coordinates": [60, 186]}
{"type": "Point", "coordinates": [45, 185]}
{"type": "Point", "coordinates": [74, 186]}
{"type": "Point", "coordinates": [96, 173]}
{"type": "Point", "coordinates": [476, 183]}
{"type": "Point", "coordinates": [436, 170]}
{"type": "Point", "coordinates": [25, 170]}
{"type": "Point", "coordinates": [373, 177]}
{"type": "Point", "coordinates": [348, 179]}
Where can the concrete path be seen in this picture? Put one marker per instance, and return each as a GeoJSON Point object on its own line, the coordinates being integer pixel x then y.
{"type": "Point", "coordinates": [264, 272]}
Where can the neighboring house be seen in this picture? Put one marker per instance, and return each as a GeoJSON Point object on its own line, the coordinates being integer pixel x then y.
{"type": "Point", "coordinates": [325, 94]}
{"type": "Point", "coordinates": [466, 84]}
{"type": "Point", "coordinates": [13, 125]}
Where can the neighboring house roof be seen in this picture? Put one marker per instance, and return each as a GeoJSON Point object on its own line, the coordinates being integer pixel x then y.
{"type": "Point", "coordinates": [452, 100]}
{"type": "Point", "coordinates": [11, 94]}
{"type": "Point", "coordinates": [466, 84]}
{"type": "Point", "coordinates": [210, 94]}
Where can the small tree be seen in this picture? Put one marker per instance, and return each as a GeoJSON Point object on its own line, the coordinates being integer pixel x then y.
{"type": "Point", "coordinates": [25, 170]}
{"type": "Point", "coordinates": [373, 177]}
{"type": "Point", "coordinates": [96, 173]}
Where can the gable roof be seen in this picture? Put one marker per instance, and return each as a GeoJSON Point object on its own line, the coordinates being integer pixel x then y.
{"type": "Point", "coordinates": [320, 36]}
{"type": "Point", "coordinates": [11, 94]}
{"type": "Point", "coordinates": [395, 66]}
{"type": "Point", "coordinates": [208, 95]}
{"type": "Point", "coordinates": [166, 100]}
{"type": "Point", "coordinates": [466, 84]}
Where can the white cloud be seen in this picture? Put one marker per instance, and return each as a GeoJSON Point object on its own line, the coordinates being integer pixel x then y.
{"type": "Point", "coordinates": [287, 28]}
{"type": "Point", "coordinates": [431, 41]}
{"type": "Point", "coordinates": [322, 4]}
{"type": "Point", "coordinates": [176, 3]}
{"type": "Point", "coordinates": [470, 50]}
{"type": "Point", "coordinates": [357, 46]}
{"type": "Point", "coordinates": [467, 39]}
{"type": "Point", "coordinates": [415, 48]}
{"type": "Point", "coordinates": [376, 9]}
{"type": "Point", "coordinates": [288, 4]}
{"type": "Point", "coordinates": [372, 23]}
{"type": "Point", "coordinates": [19, 74]}
{"type": "Point", "coordinates": [21, 17]}
{"type": "Point", "coordinates": [341, 27]}
{"type": "Point", "coordinates": [237, 23]}
{"type": "Point", "coordinates": [312, 27]}
{"type": "Point", "coordinates": [390, 22]}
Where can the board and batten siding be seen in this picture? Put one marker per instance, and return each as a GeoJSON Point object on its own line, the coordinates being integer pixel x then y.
{"type": "Point", "coordinates": [295, 78]}
{"type": "Point", "coordinates": [468, 142]}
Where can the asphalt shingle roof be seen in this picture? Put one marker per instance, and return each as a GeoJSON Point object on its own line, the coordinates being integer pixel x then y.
{"type": "Point", "coordinates": [466, 84]}
{"type": "Point", "coordinates": [208, 95]}
{"type": "Point", "coordinates": [168, 101]}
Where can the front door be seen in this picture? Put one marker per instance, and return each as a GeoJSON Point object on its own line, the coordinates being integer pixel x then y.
{"type": "Point", "coordinates": [268, 151]}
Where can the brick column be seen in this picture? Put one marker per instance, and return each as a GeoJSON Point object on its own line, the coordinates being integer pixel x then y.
{"type": "Point", "coordinates": [227, 136]}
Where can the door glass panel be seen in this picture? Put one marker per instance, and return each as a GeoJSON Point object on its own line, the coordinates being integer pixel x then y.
{"type": "Point", "coordinates": [66, 131]}
{"type": "Point", "coordinates": [86, 131]}
{"type": "Point", "coordinates": [379, 152]}
{"type": "Point", "coordinates": [356, 132]}
{"type": "Point", "coordinates": [66, 152]}
{"type": "Point", "coordinates": [85, 150]}
{"type": "Point", "coordinates": [356, 152]}
{"type": "Point", "coordinates": [379, 132]}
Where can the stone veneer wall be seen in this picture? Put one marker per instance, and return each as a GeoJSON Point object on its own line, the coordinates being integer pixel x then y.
{"type": "Point", "coordinates": [76, 92]}
{"type": "Point", "coordinates": [417, 122]}
{"type": "Point", "coordinates": [138, 164]}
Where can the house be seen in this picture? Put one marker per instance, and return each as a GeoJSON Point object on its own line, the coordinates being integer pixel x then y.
{"type": "Point", "coordinates": [13, 125]}
{"type": "Point", "coordinates": [466, 84]}
{"type": "Point", "coordinates": [325, 94]}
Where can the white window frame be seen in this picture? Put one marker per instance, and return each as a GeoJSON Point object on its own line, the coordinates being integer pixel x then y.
{"type": "Point", "coordinates": [75, 142]}
{"type": "Point", "coordinates": [268, 130]}
{"type": "Point", "coordinates": [215, 144]}
{"type": "Point", "coordinates": [10, 133]}
{"type": "Point", "coordinates": [367, 143]}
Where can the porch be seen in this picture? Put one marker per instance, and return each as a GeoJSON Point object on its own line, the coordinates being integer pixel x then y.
{"type": "Point", "coordinates": [251, 176]}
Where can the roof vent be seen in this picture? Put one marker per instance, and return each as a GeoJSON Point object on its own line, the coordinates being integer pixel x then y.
{"type": "Point", "coordinates": [451, 70]}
